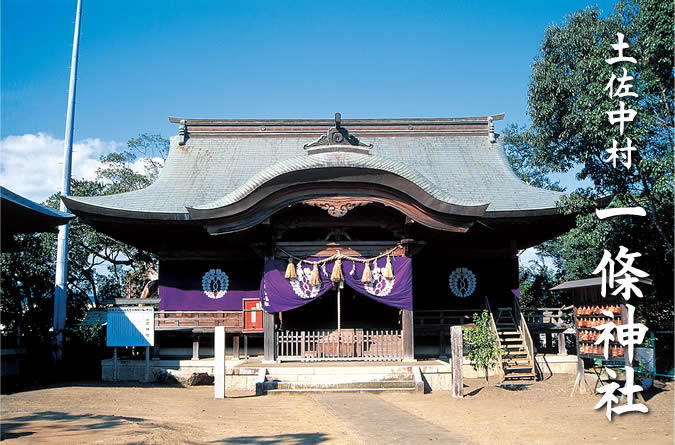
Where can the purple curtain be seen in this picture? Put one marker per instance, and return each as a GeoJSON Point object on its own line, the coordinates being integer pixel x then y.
{"type": "Point", "coordinates": [277, 294]}
{"type": "Point", "coordinates": [204, 286]}
{"type": "Point", "coordinates": [396, 293]}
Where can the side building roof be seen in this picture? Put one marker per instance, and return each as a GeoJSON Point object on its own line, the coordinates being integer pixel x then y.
{"type": "Point", "coordinates": [21, 215]}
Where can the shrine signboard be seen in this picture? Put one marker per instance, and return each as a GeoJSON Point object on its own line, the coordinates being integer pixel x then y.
{"type": "Point", "coordinates": [131, 326]}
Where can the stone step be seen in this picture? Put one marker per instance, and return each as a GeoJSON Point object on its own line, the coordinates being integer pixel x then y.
{"type": "Point", "coordinates": [526, 366]}
{"type": "Point", "coordinates": [339, 370]}
{"type": "Point", "coordinates": [516, 362]}
{"type": "Point", "coordinates": [522, 375]}
{"type": "Point", "coordinates": [516, 356]}
{"type": "Point", "coordinates": [355, 386]}
{"type": "Point", "coordinates": [369, 390]}
{"type": "Point", "coordinates": [512, 340]}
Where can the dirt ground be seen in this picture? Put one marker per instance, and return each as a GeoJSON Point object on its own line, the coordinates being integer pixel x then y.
{"type": "Point", "coordinates": [542, 412]}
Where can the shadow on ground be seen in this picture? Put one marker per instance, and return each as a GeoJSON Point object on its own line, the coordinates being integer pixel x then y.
{"type": "Point", "coordinates": [9, 426]}
{"type": "Point", "coordinates": [514, 387]}
{"type": "Point", "coordinates": [474, 392]}
{"type": "Point", "coordinates": [293, 439]}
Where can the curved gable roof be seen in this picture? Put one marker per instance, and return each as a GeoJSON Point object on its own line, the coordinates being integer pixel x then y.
{"type": "Point", "coordinates": [221, 162]}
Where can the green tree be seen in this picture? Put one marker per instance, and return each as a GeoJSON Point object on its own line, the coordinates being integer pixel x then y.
{"type": "Point", "coordinates": [27, 287]}
{"type": "Point", "coordinates": [482, 343]}
{"type": "Point", "coordinates": [568, 105]}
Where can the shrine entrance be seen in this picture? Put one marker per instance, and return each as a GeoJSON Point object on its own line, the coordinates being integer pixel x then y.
{"type": "Point", "coordinates": [341, 325]}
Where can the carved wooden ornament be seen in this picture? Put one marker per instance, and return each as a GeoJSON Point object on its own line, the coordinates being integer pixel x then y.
{"type": "Point", "coordinates": [337, 207]}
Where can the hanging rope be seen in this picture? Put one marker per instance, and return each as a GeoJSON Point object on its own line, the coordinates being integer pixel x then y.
{"type": "Point", "coordinates": [340, 256]}
{"type": "Point", "coordinates": [337, 274]}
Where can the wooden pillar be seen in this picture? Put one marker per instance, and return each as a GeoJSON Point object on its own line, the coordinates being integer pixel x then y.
{"type": "Point", "coordinates": [269, 343]}
{"type": "Point", "coordinates": [235, 347]}
{"type": "Point", "coordinates": [147, 364]}
{"type": "Point", "coordinates": [562, 350]}
{"type": "Point", "coordinates": [456, 345]}
{"type": "Point", "coordinates": [195, 347]}
{"type": "Point", "coordinates": [219, 371]}
{"type": "Point", "coordinates": [407, 334]}
{"type": "Point", "coordinates": [443, 339]}
{"type": "Point", "coordinates": [155, 347]}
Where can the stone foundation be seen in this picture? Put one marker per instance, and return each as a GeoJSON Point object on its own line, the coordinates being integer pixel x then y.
{"type": "Point", "coordinates": [243, 376]}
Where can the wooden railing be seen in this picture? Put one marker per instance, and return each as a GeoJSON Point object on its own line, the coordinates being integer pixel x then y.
{"type": "Point", "coordinates": [525, 332]}
{"type": "Point", "coordinates": [442, 319]}
{"type": "Point", "coordinates": [175, 320]}
{"type": "Point", "coordinates": [493, 327]}
{"type": "Point", "coordinates": [346, 344]}
{"type": "Point", "coordinates": [548, 315]}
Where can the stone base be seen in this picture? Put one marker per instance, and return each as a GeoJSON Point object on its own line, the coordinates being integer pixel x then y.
{"type": "Point", "coordinates": [179, 371]}
{"type": "Point", "coordinates": [243, 376]}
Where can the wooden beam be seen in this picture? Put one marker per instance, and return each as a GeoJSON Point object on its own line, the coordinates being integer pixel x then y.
{"type": "Point", "coordinates": [330, 248]}
{"type": "Point", "coordinates": [235, 347]}
{"type": "Point", "coordinates": [269, 343]}
{"type": "Point", "coordinates": [114, 370]}
{"type": "Point", "coordinates": [408, 335]}
{"type": "Point", "coordinates": [156, 346]}
{"type": "Point", "coordinates": [147, 364]}
{"type": "Point", "coordinates": [457, 361]}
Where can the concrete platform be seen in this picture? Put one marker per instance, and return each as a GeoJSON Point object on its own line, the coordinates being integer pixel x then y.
{"type": "Point", "coordinates": [243, 375]}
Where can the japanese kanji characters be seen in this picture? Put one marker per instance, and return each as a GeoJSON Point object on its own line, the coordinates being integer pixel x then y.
{"type": "Point", "coordinates": [623, 115]}
{"type": "Point", "coordinates": [623, 282]}
{"type": "Point", "coordinates": [625, 277]}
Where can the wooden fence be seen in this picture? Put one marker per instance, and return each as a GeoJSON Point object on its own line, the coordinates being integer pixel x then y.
{"type": "Point", "coordinates": [346, 344]}
{"type": "Point", "coordinates": [548, 315]}
{"type": "Point", "coordinates": [207, 320]}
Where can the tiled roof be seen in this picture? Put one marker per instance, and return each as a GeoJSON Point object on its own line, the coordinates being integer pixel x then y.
{"type": "Point", "coordinates": [220, 169]}
{"type": "Point", "coordinates": [21, 215]}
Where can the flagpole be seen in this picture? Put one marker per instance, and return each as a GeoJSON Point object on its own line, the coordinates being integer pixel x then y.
{"type": "Point", "coordinates": [60, 286]}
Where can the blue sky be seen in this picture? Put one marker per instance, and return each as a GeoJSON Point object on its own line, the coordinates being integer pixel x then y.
{"type": "Point", "coordinates": [143, 61]}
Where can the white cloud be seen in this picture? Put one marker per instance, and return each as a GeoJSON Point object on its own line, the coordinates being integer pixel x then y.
{"type": "Point", "coordinates": [32, 165]}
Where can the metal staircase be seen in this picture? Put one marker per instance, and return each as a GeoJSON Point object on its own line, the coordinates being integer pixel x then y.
{"type": "Point", "coordinates": [517, 359]}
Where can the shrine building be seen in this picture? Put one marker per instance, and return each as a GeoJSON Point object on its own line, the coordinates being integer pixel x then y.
{"type": "Point", "coordinates": [335, 239]}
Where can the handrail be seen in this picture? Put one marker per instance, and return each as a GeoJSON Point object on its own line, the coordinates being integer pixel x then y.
{"type": "Point", "coordinates": [493, 327]}
{"type": "Point", "coordinates": [555, 316]}
{"type": "Point", "coordinates": [526, 333]}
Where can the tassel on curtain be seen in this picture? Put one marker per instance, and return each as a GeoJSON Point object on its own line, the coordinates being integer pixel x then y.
{"type": "Point", "coordinates": [315, 279]}
{"type": "Point", "coordinates": [388, 273]}
{"type": "Point", "coordinates": [290, 270]}
{"type": "Point", "coordinates": [367, 276]}
{"type": "Point", "coordinates": [337, 274]}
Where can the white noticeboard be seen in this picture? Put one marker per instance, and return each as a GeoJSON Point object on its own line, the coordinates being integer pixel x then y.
{"type": "Point", "coordinates": [131, 326]}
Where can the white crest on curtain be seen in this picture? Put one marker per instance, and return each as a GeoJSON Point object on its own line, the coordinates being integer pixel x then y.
{"type": "Point", "coordinates": [379, 286]}
{"type": "Point", "coordinates": [462, 282]}
{"type": "Point", "coordinates": [266, 299]}
{"type": "Point", "coordinates": [215, 283]}
{"type": "Point", "coordinates": [301, 285]}
{"type": "Point", "coordinates": [352, 271]}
